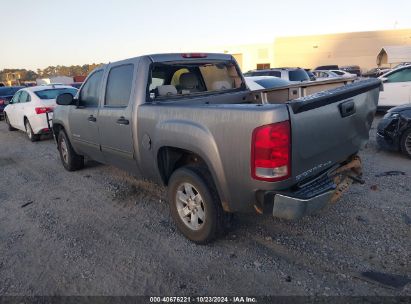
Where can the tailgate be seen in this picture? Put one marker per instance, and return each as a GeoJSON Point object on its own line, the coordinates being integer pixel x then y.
{"type": "Point", "coordinates": [329, 126]}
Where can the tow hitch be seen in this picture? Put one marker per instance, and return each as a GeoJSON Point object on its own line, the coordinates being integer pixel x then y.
{"type": "Point", "coordinates": [345, 175]}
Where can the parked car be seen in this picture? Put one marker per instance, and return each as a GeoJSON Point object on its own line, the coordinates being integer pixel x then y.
{"type": "Point", "coordinates": [327, 67]}
{"type": "Point", "coordinates": [264, 82]}
{"type": "Point", "coordinates": [311, 75]}
{"type": "Point", "coordinates": [344, 74]}
{"type": "Point", "coordinates": [323, 74]}
{"type": "Point", "coordinates": [376, 72]}
{"type": "Point", "coordinates": [288, 74]}
{"type": "Point", "coordinates": [188, 121]}
{"type": "Point", "coordinates": [394, 130]}
{"type": "Point", "coordinates": [397, 88]}
{"type": "Point", "coordinates": [402, 64]}
{"type": "Point", "coordinates": [352, 69]}
{"type": "Point", "coordinates": [27, 109]}
{"type": "Point", "coordinates": [6, 94]}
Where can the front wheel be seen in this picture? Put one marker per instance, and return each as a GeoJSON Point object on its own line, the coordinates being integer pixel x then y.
{"type": "Point", "coordinates": [195, 205]}
{"type": "Point", "coordinates": [9, 127]}
{"type": "Point", "coordinates": [70, 159]}
{"type": "Point", "coordinates": [406, 142]}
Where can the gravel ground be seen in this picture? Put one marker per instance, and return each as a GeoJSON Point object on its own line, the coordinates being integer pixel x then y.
{"type": "Point", "coordinates": [99, 231]}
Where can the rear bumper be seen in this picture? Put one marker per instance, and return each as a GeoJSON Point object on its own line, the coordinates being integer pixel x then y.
{"type": "Point", "coordinates": [312, 196]}
{"type": "Point", "coordinates": [291, 208]}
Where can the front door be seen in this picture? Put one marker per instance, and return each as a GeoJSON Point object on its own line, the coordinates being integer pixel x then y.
{"type": "Point", "coordinates": [115, 118]}
{"type": "Point", "coordinates": [83, 119]}
{"type": "Point", "coordinates": [12, 109]}
{"type": "Point", "coordinates": [397, 88]}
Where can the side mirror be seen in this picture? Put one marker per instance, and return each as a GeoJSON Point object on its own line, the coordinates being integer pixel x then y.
{"type": "Point", "coordinates": [65, 99]}
{"type": "Point", "coordinates": [383, 79]}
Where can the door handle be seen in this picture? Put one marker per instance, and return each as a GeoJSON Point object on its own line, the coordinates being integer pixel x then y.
{"type": "Point", "coordinates": [122, 121]}
{"type": "Point", "coordinates": [92, 118]}
{"type": "Point", "coordinates": [347, 108]}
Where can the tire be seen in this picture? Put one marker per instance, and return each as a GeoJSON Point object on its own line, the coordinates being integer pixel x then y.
{"type": "Point", "coordinates": [70, 159]}
{"type": "Point", "coordinates": [406, 142]}
{"type": "Point", "coordinates": [10, 128]}
{"type": "Point", "coordinates": [29, 131]}
{"type": "Point", "coordinates": [206, 210]}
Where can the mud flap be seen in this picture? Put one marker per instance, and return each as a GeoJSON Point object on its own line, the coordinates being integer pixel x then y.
{"type": "Point", "coordinates": [345, 175]}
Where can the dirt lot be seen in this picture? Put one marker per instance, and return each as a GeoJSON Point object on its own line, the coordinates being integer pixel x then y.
{"type": "Point", "coordinates": [99, 231]}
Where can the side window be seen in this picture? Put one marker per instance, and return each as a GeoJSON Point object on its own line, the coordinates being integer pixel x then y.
{"type": "Point", "coordinates": [119, 84]}
{"type": "Point", "coordinates": [24, 97]}
{"type": "Point", "coordinates": [16, 97]}
{"type": "Point", "coordinates": [90, 93]}
{"type": "Point", "coordinates": [400, 76]}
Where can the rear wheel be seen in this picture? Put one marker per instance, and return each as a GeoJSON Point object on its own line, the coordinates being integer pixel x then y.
{"type": "Point", "coordinates": [70, 159]}
{"type": "Point", "coordinates": [10, 128]}
{"type": "Point", "coordinates": [29, 131]}
{"type": "Point", "coordinates": [406, 142]}
{"type": "Point", "coordinates": [195, 205]}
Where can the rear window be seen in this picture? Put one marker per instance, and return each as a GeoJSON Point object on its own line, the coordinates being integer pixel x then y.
{"type": "Point", "coordinates": [182, 79]}
{"type": "Point", "coordinates": [298, 75]}
{"type": "Point", "coordinates": [53, 93]}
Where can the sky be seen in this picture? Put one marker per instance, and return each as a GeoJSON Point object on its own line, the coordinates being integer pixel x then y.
{"type": "Point", "coordinates": [40, 33]}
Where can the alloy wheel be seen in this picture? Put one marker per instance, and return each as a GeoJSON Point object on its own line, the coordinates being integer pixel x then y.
{"type": "Point", "coordinates": [408, 144]}
{"type": "Point", "coordinates": [64, 150]}
{"type": "Point", "coordinates": [28, 130]}
{"type": "Point", "coordinates": [190, 206]}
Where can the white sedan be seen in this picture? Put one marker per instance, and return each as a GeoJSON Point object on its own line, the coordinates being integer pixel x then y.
{"type": "Point", "coordinates": [397, 88]}
{"type": "Point", "coordinates": [28, 107]}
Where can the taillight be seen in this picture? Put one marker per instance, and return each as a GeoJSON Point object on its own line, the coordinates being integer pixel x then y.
{"type": "Point", "coordinates": [42, 110]}
{"type": "Point", "coordinates": [2, 102]}
{"type": "Point", "coordinates": [271, 152]}
{"type": "Point", "coordinates": [194, 55]}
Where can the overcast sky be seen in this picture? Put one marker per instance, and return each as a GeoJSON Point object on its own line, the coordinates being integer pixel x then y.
{"type": "Point", "coordinates": [36, 34]}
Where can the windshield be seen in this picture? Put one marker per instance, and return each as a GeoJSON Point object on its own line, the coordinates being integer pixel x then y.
{"type": "Point", "coordinates": [298, 75]}
{"type": "Point", "coordinates": [271, 83]}
{"type": "Point", "coordinates": [53, 93]}
{"type": "Point", "coordinates": [182, 79]}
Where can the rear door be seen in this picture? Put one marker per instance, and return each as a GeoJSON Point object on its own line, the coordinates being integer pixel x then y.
{"type": "Point", "coordinates": [24, 98]}
{"type": "Point", "coordinates": [83, 118]}
{"type": "Point", "coordinates": [397, 88]}
{"type": "Point", "coordinates": [330, 126]}
{"type": "Point", "coordinates": [114, 118]}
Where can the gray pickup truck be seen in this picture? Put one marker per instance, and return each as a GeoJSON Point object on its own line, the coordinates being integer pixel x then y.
{"type": "Point", "coordinates": [189, 121]}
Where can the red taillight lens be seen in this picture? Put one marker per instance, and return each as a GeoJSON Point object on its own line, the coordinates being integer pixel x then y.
{"type": "Point", "coordinates": [42, 110]}
{"type": "Point", "coordinates": [2, 102]}
{"type": "Point", "coordinates": [271, 152]}
{"type": "Point", "coordinates": [194, 55]}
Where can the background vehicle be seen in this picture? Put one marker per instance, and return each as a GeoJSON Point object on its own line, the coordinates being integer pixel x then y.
{"type": "Point", "coordinates": [310, 74]}
{"type": "Point", "coordinates": [397, 88]}
{"type": "Point", "coordinates": [264, 82]}
{"type": "Point", "coordinates": [76, 85]}
{"type": "Point", "coordinates": [376, 72]}
{"type": "Point", "coordinates": [27, 109]}
{"type": "Point", "coordinates": [189, 121]}
{"type": "Point", "coordinates": [352, 69]}
{"type": "Point", "coordinates": [289, 74]}
{"type": "Point", "coordinates": [6, 94]}
{"type": "Point", "coordinates": [341, 73]}
{"type": "Point", "coordinates": [324, 74]}
{"type": "Point", "coordinates": [327, 67]}
{"type": "Point", "coordinates": [394, 130]}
